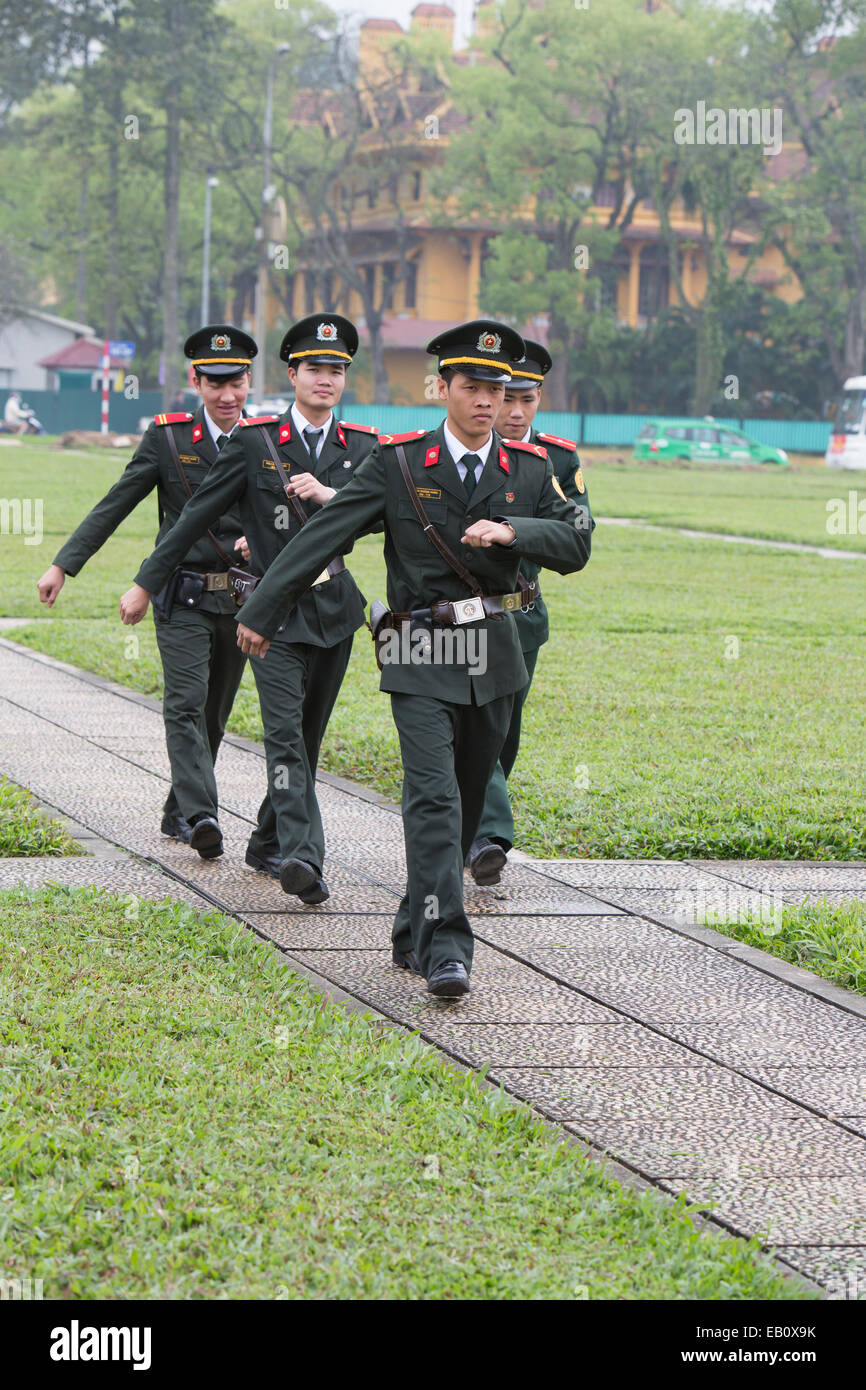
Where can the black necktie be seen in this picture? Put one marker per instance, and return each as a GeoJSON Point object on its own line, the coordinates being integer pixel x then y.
{"type": "Point", "coordinates": [223, 439]}
{"type": "Point", "coordinates": [311, 439]}
{"type": "Point", "coordinates": [471, 461]}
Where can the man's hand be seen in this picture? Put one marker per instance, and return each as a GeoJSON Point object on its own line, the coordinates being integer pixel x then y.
{"type": "Point", "coordinates": [309, 489]}
{"type": "Point", "coordinates": [50, 584]}
{"type": "Point", "coordinates": [251, 642]}
{"type": "Point", "coordinates": [133, 605]}
{"type": "Point", "coordinates": [242, 545]}
{"type": "Point", "coordinates": [484, 533]}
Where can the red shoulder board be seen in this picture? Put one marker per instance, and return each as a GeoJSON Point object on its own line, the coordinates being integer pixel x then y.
{"type": "Point", "coordinates": [526, 446]}
{"type": "Point", "coordinates": [401, 438]}
{"type": "Point", "coordinates": [367, 429]}
{"type": "Point", "coordinates": [172, 419]}
{"type": "Point", "coordinates": [555, 439]}
{"type": "Point", "coordinates": [258, 420]}
{"type": "Point", "coordinates": [431, 456]}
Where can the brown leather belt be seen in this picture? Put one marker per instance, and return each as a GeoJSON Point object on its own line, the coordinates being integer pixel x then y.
{"type": "Point", "coordinates": [453, 613]}
{"type": "Point", "coordinates": [219, 582]}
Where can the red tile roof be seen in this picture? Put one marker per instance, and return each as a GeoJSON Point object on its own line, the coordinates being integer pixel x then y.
{"type": "Point", "coordinates": [83, 353]}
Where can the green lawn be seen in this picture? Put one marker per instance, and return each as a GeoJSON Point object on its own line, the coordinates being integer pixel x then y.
{"type": "Point", "coordinates": [795, 504]}
{"type": "Point", "coordinates": [184, 1118]}
{"type": "Point", "coordinates": [828, 939]}
{"type": "Point", "coordinates": [696, 698]}
{"type": "Point", "coordinates": [26, 830]}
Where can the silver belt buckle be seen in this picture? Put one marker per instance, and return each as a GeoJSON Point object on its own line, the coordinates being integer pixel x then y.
{"type": "Point", "coordinates": [467, 610]}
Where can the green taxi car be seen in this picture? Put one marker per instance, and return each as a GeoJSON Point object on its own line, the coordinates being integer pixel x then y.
{"type": "Point", "coordinates": [702, 441]}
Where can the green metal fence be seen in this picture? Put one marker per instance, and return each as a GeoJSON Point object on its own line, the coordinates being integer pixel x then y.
{"type": "Point", "coordinates": [80, 410]}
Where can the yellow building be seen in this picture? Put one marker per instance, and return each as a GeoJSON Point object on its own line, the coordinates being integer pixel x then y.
{"type": "Point", "coordinates": [442, 265]}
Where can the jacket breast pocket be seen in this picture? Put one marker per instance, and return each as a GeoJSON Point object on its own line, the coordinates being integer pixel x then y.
{"type": "Point", "coordinates": [270, 482]}
{"type": "Point", "coordinates": [496, 507]}
{"type": "Point", "coordinates": [437, 512]}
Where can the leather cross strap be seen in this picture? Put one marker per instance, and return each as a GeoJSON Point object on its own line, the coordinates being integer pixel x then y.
{"type": "Point", "coordinates": [430, 530]}
{"type": "Point", "coordinates": [228, 560]}
{"type": "Point", "coordinates": [336, 566]}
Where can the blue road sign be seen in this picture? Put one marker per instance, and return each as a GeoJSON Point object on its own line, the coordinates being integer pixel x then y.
{"type": "Point", "coordinates": [121, 349]}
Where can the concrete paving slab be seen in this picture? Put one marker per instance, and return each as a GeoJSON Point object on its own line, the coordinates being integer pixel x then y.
{"type": "Point", "coordinates": [812, 1210]}
{"type": "Point", "coordinates": [744, 1147]}
{"type": "Point", "coordinates": [575, 1095]}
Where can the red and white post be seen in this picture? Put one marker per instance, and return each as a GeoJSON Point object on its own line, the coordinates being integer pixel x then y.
{"type": "Point", "coordinates": [106, 360]}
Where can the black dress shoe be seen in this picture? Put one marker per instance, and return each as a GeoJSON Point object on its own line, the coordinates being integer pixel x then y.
{"type": "Point", "coordinates": [300, 878]}
{"type": "Point", "coordinates": [176, 828]}
{"type": "Point", "coordinates": [449, 981]}
{"type": "Point", "coordinates": [206, 837]}
{"type": "Point", "coordinates": [265, 863]}
{"type": "Point", "coordinates": [407, 960]}
{"type": "Point", "coordinates": [485, 861]}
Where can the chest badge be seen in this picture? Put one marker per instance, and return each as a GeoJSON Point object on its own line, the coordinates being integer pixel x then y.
{"type": "Point", "coordinates": [347, 463]}
{"type": "Point", "coordinates": [509, 496]}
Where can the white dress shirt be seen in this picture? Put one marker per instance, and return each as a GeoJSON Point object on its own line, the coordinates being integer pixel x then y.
{"type": "Point", "coordinates": [457, 450]}
{"type": "Point", "coordinates": [301, 424]}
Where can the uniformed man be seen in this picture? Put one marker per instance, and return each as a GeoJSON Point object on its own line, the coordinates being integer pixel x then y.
{"type": "Point", "coordinates": [278, 471]}
{"type": "Point", "coordinates": [487, 854]}
{"type": "Point", "coordinates": [451, 655]}
{"type": "Point", "coordinates": [195, 628]}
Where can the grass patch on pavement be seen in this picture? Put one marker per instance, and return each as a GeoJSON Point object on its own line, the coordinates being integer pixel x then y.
{"type": "Point", "coordinates": [187, 1119]}
{"type": "Point", "coordinates": [827, 938]}
{"type": "Point", "coordinates": [25, 830]}
{"type": "Point", "coordinates": [696, 699]}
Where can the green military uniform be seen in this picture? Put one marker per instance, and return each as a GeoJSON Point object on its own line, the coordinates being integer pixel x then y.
{"type": "Point", "coordinates": [202, 667]}
{"type": "Point", "coordinates": [298, 688]}
{"type": "Point", "coordinates": [533, 629]}
{"type": "Point", "coordinates": [451, 721]}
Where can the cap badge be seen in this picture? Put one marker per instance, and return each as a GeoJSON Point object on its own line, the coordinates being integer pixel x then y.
{"type": "Point", "coordinates": [489, 342]}
{"type": "Point", "coordinates": [220, 342]}
{"type": "Point", "coordinates": [326, 332]}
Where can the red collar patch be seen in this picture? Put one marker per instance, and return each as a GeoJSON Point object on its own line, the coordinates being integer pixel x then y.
{"type": "Point", "coordinates": [285, 432]}
{"type": "Point", "coordinates": [528, 447]}
{"type": "Point", "coordinates": [196, 433]}
{"type": "Point", "coordinates": [503, 459]}
{"type": "Point", "coordinates": [431, 456]}
{"type": "Point", "coordinates": [341, 436]}
{"type": "Point", "coordinates": [557, 439]}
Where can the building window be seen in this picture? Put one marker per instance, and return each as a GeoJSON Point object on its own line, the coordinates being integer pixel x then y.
{"type": "Point", "coordinates": [606, 196]}
{"type": "Point", "coordinates": [410, 285]}
{"type": "Point", "coordinates": [653, 292]}
{"type": "Point", "coordinates": [387, 285]}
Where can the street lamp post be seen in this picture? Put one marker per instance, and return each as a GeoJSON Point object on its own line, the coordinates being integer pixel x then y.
{"type": "Point", "coordinates": [210, 184]}
{"type": "Point", "coordinates": [262, 230]}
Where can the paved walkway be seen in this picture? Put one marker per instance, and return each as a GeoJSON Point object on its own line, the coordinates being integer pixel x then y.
{"type": "Point", "coordinates": [704, 1066]}
{"type": "Point", "coordinates": [828, 552]}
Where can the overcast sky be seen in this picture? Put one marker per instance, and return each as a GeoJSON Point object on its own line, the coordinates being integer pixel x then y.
{"type": "Point", "coordinates": [401, 10]}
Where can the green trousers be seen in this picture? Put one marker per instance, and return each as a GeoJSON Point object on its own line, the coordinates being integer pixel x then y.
{"type": "Point", "coordinates": [202, 667]}
{"type": "Point", "coordinates": [298, 685]}
{"type": "Point", "coordinates": [497, 821]}
{"type": "Point", "coordinates": [449, 752]}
